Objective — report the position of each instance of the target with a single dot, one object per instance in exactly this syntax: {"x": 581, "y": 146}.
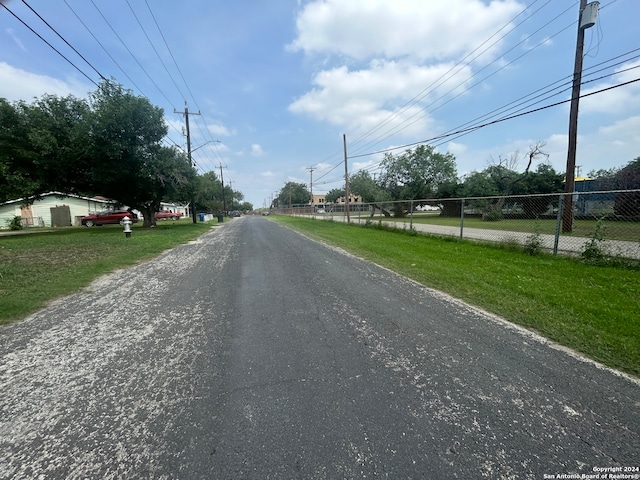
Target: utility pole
{"x": 586, "y": 19}
{"x": 224, "y": 202}
{"x": 346, "y": 178}
{"x": 186, "y": 118}
{"x": 311, "y": 169}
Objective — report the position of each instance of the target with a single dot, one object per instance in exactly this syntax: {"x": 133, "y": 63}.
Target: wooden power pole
{"x": 346, "y": 178}
{"x": 569, "y": 184}
{"x": 186, "y": 119}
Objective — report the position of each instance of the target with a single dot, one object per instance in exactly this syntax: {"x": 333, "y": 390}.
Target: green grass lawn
{"x": 592, "y": 309}
{"x": 38, "y": 267}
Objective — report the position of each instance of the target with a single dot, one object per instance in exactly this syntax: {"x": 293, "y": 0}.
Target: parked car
{"x": 234, "y": 213}
{"x": 108, "y": 217}
{"x": 164, "y": 215}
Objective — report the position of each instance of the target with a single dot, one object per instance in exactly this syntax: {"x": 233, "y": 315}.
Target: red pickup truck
{"x": 165, "y": 215}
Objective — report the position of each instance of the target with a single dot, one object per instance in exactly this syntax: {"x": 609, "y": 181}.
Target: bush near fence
{"x": 611, "y": 219}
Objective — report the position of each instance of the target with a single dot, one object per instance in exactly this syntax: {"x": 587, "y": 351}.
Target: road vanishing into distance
{"x": 257, "y": 353}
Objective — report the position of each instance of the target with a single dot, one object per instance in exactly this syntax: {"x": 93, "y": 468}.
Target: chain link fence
{"x": 582, "y": 223}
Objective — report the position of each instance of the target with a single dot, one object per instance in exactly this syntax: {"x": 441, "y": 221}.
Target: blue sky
{"x": 278, "y": 82}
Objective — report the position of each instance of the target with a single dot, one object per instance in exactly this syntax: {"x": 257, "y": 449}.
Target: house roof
{"x": 56, "y": 194}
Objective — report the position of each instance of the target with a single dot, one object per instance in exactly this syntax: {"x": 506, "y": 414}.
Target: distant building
{"x": 352, "y": 199}
{"x": 320, "y": 200}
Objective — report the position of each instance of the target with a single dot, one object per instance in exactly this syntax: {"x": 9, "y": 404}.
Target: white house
{"x": 52, "y": 209}
{"x": 175, "y": 208}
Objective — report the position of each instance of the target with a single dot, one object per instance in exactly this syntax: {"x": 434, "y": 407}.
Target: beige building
{"x": 320, "y": 201}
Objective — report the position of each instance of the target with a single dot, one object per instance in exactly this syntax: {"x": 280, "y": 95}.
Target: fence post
{"x": 461, "y": 216}
{"x": 556, "y": 240}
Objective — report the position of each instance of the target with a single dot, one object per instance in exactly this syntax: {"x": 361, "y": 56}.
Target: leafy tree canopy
{"x": 363, "y": 184}
{"x": 108, "y": 145}
{"x": 334, "y": 194}
{"x": 418, "y": 173}
{"x": 293, "y": 194}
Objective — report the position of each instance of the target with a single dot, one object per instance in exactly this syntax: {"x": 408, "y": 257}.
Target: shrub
{"x": 492, "y": 215}
{"x": 592, "y": 251}
{"x": 15, "y": 223}
{"x": 533, "y": 243}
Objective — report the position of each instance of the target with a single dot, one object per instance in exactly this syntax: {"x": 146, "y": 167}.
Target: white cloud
{"x": 364, "y": 29}
{"x": 395, "y": 40}
{"x": 456, "y": 148}
{"x": 256, "y": 150}
{"x": 362, "y": 99}
{"x": 617, "y": 100}
{"x": 16, "y": 39}
{"x": 220, "y": 130}
{"x": 17, "y": 84}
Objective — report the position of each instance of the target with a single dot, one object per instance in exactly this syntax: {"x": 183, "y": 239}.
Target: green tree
{"x": 418, "y": 173}
{"x": 123, "y": 156}
{"x": 17, "y": 169}
{"x": 363, "y": 184}
{"x": 293, "y": 194}
{"x": 57, "y": 135}
{"x": 421, "y": 173}
{"x": 40, "y": 144}
{"x": 246, "y": 207}
{"x": 545, "y": 180}
{"x": 334, "y": 194}
{"x": 479, "y": 184}
{"x": 628, "y": 178}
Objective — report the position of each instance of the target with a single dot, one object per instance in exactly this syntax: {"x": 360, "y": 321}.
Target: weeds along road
{"x": 257, "y": 353}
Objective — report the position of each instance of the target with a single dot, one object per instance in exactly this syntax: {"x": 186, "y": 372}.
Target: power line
{"x": 446, "y": 76}
{"x": 65, "y": 40}
{"x": 404, "y": 124}
{"x": 442, "y": 78}
{"x": 130, "y": 52}
{"x": 103, "y": 48}
{"x": 153, "y": 47}
{"x": 510, "y": 117}
{"x": 171, "y": 54}
{"x": 52, "y": 47}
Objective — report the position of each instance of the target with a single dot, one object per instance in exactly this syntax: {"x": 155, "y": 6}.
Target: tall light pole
{"x": 586, "y": 18}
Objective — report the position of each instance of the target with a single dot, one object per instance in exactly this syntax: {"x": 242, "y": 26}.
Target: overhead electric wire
{"x": 130, "y": 52}
{"x": 197, "y": 122}
{"x": 103, "y": 48}
{"x": 49, "y": 44}
{"x": 440, "y": 80}
{"x": 510, "y": 117}
{"x": 504, "y": 66}
{"x": 404, "y": 124}
{"x": 171, "y": 53}
{"x": 546, "y": 91}
{"x": 460, "y": 131}
{"x": 166, "y": 139}
{"x": 64, "y": 40}
{"x": 153, "y": 47}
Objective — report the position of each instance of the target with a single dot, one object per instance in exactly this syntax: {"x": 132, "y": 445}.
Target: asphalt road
{"x": 257, "y": 353}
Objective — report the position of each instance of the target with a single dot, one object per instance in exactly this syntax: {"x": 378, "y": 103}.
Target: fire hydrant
{"x": 126, "y": 223}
